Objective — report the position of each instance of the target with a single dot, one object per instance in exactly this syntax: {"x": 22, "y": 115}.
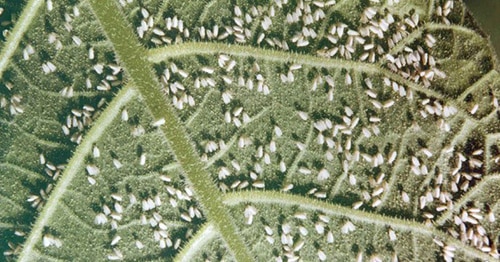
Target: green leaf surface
{"x": 268, "y": 130}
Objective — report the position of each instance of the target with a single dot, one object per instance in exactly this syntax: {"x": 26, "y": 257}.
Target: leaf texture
{"x": 248, "y": 131}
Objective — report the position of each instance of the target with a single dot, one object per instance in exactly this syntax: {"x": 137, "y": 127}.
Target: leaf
{"x": 250, "y": 131}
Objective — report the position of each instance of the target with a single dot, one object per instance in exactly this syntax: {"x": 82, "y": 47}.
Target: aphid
{"x": 100, "y": 219}
{"x": 392, "y": 235}
{"x": 116, "y": 197}
{"x": 320, "y": 194}
{"x": 270, "y": 240}
{"x": 77, "y": 40}
{"x": 388, "y": 104}
{"x": 115, "y": 240}
{"x": 49, "y": 240}
{"x": 250, "y": 211}
{"x": 376, "y": 104}
{"x": 359, "y": 257}
{"x": 268, "y": 230}
{"x": 50, "y": 5}
{"x": 377, "y": 202}
{"x": 282, "y": 166}
{"x": 323, "y": 175}
{"x": 272, "y": 146}
{"x": 375, "y": 258}
{"x": 300, "y": 146}
{"x": 226, "y": 97}
{"x": 491, "y": 217}
{"x": 378, "y": 191}
{"x": 366, "y": 132}
{"x": 117, "y": 163}
{"x": 148, "y": 204}
{"x": 91, "y": 180}
{"x": 352, "y": 180}
{"x": 48, "y": 67}
{"x": 42, "y": 159}
{"x": 159, "y": 122}
{"x": 235, "y": 184}
{"x": 259, "y": 184}
{"x": 474, "y": 109}
{"x": 320, "y": 228}
{"x": 92, "y": 170}
{"x": 304, "y": 171}
{"x": 116, "y": 255}
{"x": 301, "y": 215}
{"x": 321, "y": 255}
{"x": 348, "y": 227}
{"x": 405, "y": 197}
{"x": 142, "y": 159}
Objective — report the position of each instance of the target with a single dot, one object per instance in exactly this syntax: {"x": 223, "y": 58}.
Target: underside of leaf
{"x": 222, "y": 130}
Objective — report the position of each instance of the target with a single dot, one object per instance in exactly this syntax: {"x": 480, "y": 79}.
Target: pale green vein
{"x": 170, "y": 167}
{"x": 492, "y": 116}
{"x": 415, "y": 245}
{"x": 48, "y": 92}
{"x": 339, "y": 181}
{"x": 139, "y": 178}
{"x": 284, "y": 199}
{"x": 75, "y": 165}
{"x": 442, "y": 162}
{"x": 363, "y": 103}
{"x": 163, "y": 53}
{"x": 490, "y": 140}
{"x": 206, "y": 10}
{"x": 495, "y": 208}
{"x": 49, "y": 121}
{"x": 467, "y": 197}
{"x": 138, "y": 223}
{"x": 160, "y": 54}
{"x": 416, "y": 34}
{"x": 205, "y": 235}
{"x": 133, "y": 59}
{"x": 27, "y": 16}
{"x": 41, "y": 141}
{"x": 232, "y": 141}
{"x": 12, "y": 226}
{"x": 398, "y": 168}
{"x": 292, "y": 171}
{"x": 327, "y": 22}
{"x": 71, "y": 215}
{"x": 458, "y": 28}
{"x": 481, "y": 83}
{"x": 361, "y": 138}
{"x": 201, "y": 107}
{"x": 161, "y": 10}
{"x": 432, "y": 6}
{"x": 45, "y": 257}
{"x": 158, "y": 18}
{"x": 29, "y": 135}
{"x": 464, "y": 13}
{"x": 399, "y": 46}
{"x": 21, "y": 169}
{"x": 13, "y": 204}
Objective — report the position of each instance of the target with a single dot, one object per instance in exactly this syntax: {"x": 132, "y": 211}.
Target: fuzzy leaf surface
{"x": 247, "y": 131}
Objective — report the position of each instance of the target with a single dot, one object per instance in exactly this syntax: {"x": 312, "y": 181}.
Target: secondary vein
{"x": 27, "y": 16}
{"x": 133, "y": 58}
{"x": 284, "y": 199}
{"x": 75, "y": 165}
